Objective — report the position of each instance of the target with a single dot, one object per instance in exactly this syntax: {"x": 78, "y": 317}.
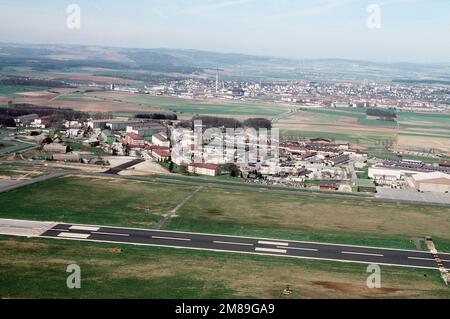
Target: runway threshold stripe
{"x": 273, "y": 243}
{"x": 74, "y": 235}
{"x": 231, "y": 243}
{"x": 362, "y": 254}
{"x": 84, "y": 228}
{"x": 298, "y": 248}
{"x": 271, "y": 250}
{"x": 171, "y": 238}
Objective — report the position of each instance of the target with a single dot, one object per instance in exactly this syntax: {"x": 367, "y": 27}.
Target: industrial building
{"x": 432, "y": 182}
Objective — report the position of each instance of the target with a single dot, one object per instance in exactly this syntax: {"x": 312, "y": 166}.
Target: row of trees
{"x": 53, "y": 115}
{"x": 212, "y": 121}
{"x": 386, "y": 113}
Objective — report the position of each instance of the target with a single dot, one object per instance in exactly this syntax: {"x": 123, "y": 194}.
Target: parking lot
{"x": 411, "y": 195}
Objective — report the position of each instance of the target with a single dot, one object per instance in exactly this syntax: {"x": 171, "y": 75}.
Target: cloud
{"x": 213, "y": 7}
{"x": 315, "y": 9}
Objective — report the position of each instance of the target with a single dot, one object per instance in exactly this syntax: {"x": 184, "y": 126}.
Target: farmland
{"x": 12, "y": 91}
{"x": 413, "y": 130}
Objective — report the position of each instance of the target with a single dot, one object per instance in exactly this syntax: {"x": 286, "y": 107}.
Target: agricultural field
{"x": 120, "y": 202}
{"x": 36, "y": 268}
{"x": 13, "y": 91}
{"x": 412, "y": 130}
{"x": 203, "y": 108}
{"x": 189, "y": 108}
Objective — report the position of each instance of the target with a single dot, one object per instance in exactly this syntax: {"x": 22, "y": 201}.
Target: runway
{"x": 247, "y": 245}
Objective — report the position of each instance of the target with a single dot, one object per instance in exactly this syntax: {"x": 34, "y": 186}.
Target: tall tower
{"x": 217, "y": 80}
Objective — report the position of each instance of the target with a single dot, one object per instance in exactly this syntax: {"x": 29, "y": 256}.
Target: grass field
{"x": 196, "y": 107}
{"x": 138, "y": 204}
{"x": 80, "y": 147}
{"x": 193, "y": 107}
{"x": 9, "y": 91}
{"x": 311, "y": 218}
{"x": 93, "y": 201}
{"x": 36, "y": 268}
{"x": 4, "y": 145}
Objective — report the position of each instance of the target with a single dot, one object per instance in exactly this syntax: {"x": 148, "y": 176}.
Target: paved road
{"x": 116, "y": 170}
{"x": 223, "y": 243}
{"x": 17, "y": 145}
{"x": 412, "y": 195}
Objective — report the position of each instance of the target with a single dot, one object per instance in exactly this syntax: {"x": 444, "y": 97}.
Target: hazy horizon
{"x": 411, "y": 31}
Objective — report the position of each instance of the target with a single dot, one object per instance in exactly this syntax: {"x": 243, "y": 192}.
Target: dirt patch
{"x": 353, "y": 289}
{"x": 424, "y": 142}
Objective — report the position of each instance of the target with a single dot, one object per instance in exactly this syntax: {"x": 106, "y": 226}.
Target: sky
{"x": 409, "y": 30}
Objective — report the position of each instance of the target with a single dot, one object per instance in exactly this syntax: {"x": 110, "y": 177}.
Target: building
{"x": 134, "y": 140}
{"x": 397, "y": 169}
{"x": 146, "y": 129}
{"x": 161, "y": 154}
{"x": 364, "y": 186}
{"x": 25, "y": 120}
{"x": 73, "y": 133}
{"x": 339, "y": 159}
{"x": 204, "y": 169}
{"x": 69, "y": 157}
{"x": 56, "y": 148}
{"x": 73, "y": 124}
{"x": 39, "y": 123}
{"x": 328, "y": 185}
{"x": 161, "y": 139}
{"x": 432, "y": 182}
{"x": 107, "y": 137}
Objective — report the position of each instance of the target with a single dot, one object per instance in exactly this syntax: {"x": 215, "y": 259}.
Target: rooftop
{"x": 205, "y": 165}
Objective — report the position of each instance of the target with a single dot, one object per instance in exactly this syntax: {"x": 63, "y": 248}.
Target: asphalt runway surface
{"x": 246, "y": 245}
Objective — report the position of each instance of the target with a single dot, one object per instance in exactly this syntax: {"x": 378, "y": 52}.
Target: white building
{"x": 204, "y": 169}
{"x": 432, "y": 182}
{"x": 160, "y": 139}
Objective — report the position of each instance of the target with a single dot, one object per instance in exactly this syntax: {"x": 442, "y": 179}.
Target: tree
{"x": 258, "y": 123}
{"x": 171, "y": 167}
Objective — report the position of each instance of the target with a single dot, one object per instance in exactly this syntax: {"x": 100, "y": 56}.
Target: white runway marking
{"x": 298, "y": 248}
{"x": 274, "y": 243}
{"x": 364, "y": 254}
{"x": 231, "y": 243}
{"x": 84, "y": 228}
{"x": 112, "y": 234}
{"x": 171, "y": 238}
{"x": 427, "y": 259}
{"x": 74, "y": 235}
{"x": 270, "y": 250}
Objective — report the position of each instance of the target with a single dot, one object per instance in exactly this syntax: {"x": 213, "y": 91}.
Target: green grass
{"x": 9, "y": 91}
{"x": 75, "y": 96}
{"x": 119, "y": 202}
{"x": 80, "y": 147}
{"x": 4, "y": 145}
{"x": 312, "y": 218}
{"x": 195, "y": 107}
{"x": 93, "y": 201}
{"x": 36, "y": 268}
